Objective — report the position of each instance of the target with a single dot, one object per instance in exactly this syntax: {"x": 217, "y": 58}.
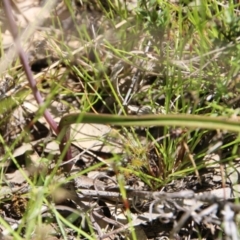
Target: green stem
{"x": 180, "y": 120}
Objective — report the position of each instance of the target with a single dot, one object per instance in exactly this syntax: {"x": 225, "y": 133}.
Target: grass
{"x": 192, "y": 89}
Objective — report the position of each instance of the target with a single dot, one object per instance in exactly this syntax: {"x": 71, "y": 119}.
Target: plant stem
{"x": 32, "y": 82}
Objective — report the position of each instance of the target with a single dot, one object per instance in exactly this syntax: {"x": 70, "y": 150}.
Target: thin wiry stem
{"x": 24, "y": 62}
{"x": 31, "y": 80}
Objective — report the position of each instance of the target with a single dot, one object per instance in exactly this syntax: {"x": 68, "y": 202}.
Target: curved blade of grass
{"x": 181, "y": 120}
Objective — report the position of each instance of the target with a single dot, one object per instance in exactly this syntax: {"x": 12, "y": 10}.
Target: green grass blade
{"x": 180, "y": 120}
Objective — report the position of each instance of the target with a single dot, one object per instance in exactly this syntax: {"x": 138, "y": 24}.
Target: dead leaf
{"x": 95, "y": 137}
{"x": 17, "y": 176}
